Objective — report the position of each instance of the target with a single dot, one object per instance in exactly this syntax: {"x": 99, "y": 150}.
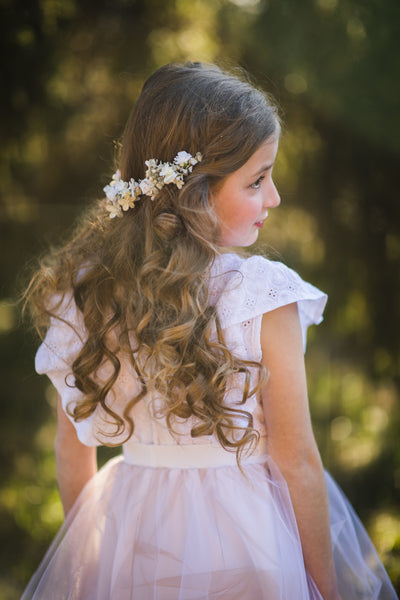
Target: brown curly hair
{"x": 146, "y": 275}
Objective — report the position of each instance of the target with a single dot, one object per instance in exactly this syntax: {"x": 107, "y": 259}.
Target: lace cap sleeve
{"x": 257, "y": 285}
{"x": 54, "y": 358}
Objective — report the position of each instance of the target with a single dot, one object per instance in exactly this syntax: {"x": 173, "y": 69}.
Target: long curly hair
{"x": 146, "y": 275}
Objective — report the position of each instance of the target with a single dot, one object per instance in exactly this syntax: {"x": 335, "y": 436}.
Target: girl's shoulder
{"x": 65, "y": 335}
{"x": 245, "y": 288}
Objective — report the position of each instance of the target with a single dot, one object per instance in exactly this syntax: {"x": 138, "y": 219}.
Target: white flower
{"x": 110, "y": 192}
{"x": 114, "y": 210}
{"x": 168, "y": 173}
{"x": 152, "y": 168}
{"x": 134, "y": 188}
{"x": 120, "y": 187}
{"x": 147, "y": 187}
{"x": 151, "y": 163}
{"x": 182, "y": 158}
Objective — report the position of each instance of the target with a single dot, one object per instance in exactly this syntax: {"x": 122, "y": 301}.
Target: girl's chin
{"x": 240, "y": 241}
{"x": 251, "y": 239}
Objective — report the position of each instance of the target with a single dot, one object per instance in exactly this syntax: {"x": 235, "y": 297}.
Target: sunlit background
{"x": 71, "y": 71}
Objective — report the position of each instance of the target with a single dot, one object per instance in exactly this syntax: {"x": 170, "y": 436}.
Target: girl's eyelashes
{"x": 257, "y": 183}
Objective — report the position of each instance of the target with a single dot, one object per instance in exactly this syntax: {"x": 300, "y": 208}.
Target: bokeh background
{"x": 70, "y": 72}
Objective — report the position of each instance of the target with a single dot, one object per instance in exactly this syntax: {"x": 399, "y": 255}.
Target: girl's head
{"x": 196, "y": 108}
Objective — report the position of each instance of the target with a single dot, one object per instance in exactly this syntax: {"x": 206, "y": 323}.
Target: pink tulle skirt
{"x": 152, "y": 533}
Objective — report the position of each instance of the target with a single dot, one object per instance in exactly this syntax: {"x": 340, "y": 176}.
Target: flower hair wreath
{"x": 122, "y": 195}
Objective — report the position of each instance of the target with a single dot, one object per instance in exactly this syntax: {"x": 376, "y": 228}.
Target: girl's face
{"x": 242, "y": 201}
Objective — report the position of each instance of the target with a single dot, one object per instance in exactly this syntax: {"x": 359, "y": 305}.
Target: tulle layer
{"x": 142, "y": 533}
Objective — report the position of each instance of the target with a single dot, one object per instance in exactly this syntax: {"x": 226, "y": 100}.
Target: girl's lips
{"x": 261, "y": 223}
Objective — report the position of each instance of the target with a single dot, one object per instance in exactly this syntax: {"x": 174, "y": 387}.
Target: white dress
{"x": 174, "y": 518}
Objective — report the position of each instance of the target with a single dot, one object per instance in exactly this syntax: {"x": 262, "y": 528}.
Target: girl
{"x": 192, "y": 359}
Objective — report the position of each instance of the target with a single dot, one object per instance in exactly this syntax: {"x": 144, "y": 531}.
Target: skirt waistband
{"x": 187, "y": 456}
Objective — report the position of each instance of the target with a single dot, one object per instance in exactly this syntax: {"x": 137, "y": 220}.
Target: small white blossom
{"x": 110, "y": 192}
{"x": 168, "y": 173}
{"x": 114, "y": 210}
{"x": 182, "y": 158}
{"x": 151, "y": 163}
{"x": 120, "y": 187}
{"x": 147, "y": 187}
{"x": 134, "y": 188}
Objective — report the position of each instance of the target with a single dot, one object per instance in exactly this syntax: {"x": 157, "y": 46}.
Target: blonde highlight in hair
{"x": 142, "y": 282}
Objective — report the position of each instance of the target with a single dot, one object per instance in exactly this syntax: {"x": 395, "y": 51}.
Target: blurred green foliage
{"x": 70, "y": 74}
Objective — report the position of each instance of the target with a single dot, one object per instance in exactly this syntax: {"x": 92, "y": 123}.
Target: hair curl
{"x": 146, "y": 275}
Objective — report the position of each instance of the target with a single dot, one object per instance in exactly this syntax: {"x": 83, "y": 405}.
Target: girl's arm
{"x": 291, "y": 442}
{"x": 75, "y": 462}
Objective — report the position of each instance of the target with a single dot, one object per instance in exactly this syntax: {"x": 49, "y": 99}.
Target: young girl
{"x": 192, "y": 359}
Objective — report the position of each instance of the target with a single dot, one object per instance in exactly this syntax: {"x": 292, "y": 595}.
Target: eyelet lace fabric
{"x": 242, "y": 290}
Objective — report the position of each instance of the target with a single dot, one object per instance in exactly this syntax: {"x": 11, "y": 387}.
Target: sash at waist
{"x": 188, "y": 456}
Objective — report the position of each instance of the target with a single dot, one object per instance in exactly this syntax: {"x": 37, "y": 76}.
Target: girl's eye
{"x": 257, "y": 183}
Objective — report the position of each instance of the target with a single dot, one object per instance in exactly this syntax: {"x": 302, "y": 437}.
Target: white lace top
{"x": 242, "y": 290}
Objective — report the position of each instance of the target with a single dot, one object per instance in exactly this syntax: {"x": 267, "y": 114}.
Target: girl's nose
{"x": 272, "y": 198}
